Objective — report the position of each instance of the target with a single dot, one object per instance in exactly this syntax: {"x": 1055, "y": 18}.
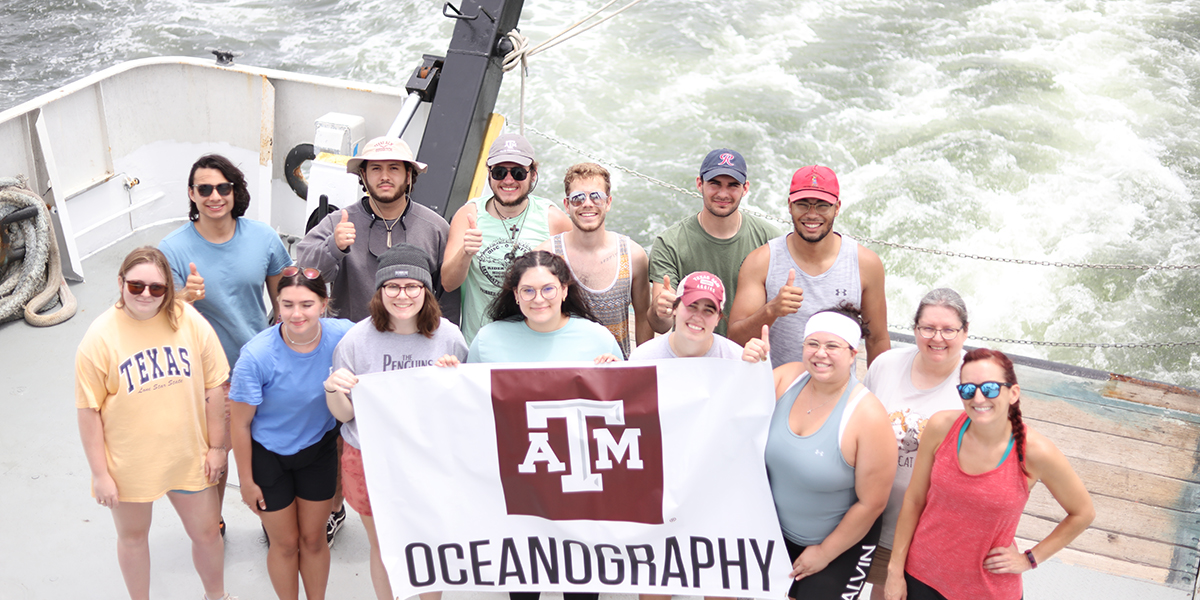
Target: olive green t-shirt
{"x": 685, "y": 248}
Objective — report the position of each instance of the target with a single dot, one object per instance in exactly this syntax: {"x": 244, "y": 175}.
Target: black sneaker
{"x": 334, "y": 524}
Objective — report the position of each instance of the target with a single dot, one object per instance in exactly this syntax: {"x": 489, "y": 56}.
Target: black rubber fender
{"x": 291, "y": 168}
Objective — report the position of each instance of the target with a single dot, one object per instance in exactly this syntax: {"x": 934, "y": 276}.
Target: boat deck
{"x": 1135, "y": 445}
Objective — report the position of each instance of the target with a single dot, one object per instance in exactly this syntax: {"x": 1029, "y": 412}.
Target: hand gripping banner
{"x": 624, "y": 478}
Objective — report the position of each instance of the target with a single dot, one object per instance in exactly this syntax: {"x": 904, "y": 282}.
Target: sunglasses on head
{"x": 518, "y": 173}
{"x": 137, "y": 287}
{"x": 990, "y": 389}
{"x": 578, "y": 198}
{"x": 309, "y": 272}
{"x": 206, "y": 189}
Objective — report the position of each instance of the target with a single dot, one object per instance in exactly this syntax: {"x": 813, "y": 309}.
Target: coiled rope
{"x": 521, "y": 52}
{"x": 869, "y": 241}
{"x": 30, "y": 284}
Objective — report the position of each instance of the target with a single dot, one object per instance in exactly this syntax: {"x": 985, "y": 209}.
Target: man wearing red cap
{"x": 807, "y": 270}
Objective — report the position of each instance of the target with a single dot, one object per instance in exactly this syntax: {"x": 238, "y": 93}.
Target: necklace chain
{"x": 829, "y": 400}
{"x": 387, "y": 227}
{"x": 293, "y": 342}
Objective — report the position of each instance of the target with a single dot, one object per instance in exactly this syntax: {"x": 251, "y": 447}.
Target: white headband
{"x": 835, "y": 323}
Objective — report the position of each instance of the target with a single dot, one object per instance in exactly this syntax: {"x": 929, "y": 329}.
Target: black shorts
{"x": 310, "y": 474}
{"x": 918, "y": 590}
{"x": 844, "y": 577}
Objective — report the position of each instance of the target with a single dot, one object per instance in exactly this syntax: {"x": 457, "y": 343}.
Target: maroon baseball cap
{"x": 815, "y": 182}
{"x": 699, "y": 285}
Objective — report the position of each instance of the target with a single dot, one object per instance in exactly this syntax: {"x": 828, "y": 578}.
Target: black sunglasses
{"x": 137, "y": 287}
{"x": 990, "y": 389}
{"x": 206, "y": 189}
{"x": 518, "y": 173}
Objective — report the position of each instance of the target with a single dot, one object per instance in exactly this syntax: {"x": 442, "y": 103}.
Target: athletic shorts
{"x": 354, "y": 482}
{"x": 917, "y": 590}
{"x": 310, "y": 474}
{"x": 879, "y": 566}
{"x": 844, "y": 577}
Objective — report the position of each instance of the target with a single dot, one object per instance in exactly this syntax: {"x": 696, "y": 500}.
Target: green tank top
{"x": 503, "y": 241}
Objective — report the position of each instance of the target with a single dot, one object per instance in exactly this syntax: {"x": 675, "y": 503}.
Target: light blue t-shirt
{"x": 234, "y": 273}
{"x": 514, "y": 341}
{"x": 287, "y": 387}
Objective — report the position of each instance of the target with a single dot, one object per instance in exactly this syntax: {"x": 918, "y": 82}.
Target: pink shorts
{"x": 354, "y": 482}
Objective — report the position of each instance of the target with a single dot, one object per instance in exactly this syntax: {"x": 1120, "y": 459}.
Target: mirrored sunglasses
{"x": 990, "y": 389}
{"x": 578, "y": 198}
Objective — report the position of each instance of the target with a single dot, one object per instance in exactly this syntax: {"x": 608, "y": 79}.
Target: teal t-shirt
{"x": 503, "y": 241}
{"x": 686, "y": 247}
{"x": 514, "y": 341}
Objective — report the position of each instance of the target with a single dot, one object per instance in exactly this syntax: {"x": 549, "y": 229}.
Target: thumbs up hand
{"x": 472, "y": 237}
{"x": 664, "y": 303}
{"x": 343, "y": 232}
{"x": 789, "y": 298}
{"x": 756, "y": 349}
{"x": 193, "y": 289}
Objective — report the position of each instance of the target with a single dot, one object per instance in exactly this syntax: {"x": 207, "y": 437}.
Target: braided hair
{"x": 1014, "y": 409}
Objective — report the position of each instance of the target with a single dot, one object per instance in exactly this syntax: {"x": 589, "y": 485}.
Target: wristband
{"x": 1032, "y": 560}
{"x": 329, "y": 391}
{"x": 221, "y": 448}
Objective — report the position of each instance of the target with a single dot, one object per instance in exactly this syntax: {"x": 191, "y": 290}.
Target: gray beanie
{"x": 405, "y": 261}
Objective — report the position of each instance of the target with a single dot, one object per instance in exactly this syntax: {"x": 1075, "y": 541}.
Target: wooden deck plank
{"x": 1125, "y": 394}
{"x": 1169, "y": 433}
{"x": 1116, "y": 566}
{"x": 1132, "y": 454}
{"x": 1119, "y": 546}
{"x": 1118, "y": 515}
{"x": 1147, "y": 488}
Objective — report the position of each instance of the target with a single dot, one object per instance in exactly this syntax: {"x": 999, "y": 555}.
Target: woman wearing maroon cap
{"x": 696, "y": 313}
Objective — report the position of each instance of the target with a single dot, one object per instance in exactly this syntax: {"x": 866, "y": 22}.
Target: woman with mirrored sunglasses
{"x": 405, "y": 329}
{"x": 972, "y": 478}
{"x": 913, "y": 383}
{"x": 150, "y": 400}
{"x": 284, "y": 437}
{"x": 830, "y": 458}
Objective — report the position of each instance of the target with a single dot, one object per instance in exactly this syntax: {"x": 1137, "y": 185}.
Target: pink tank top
{"x": 965, "y": 517}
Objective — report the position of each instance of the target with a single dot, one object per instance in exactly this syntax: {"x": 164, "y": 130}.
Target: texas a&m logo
{"x": 580, "y": 443}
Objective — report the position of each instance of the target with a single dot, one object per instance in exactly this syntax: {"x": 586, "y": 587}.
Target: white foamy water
{"x": 1060, "y": 131}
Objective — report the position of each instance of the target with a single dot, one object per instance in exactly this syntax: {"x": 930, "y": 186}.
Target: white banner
{"x": 626, "y": 478}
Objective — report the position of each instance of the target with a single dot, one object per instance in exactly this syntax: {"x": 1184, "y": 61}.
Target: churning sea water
{"x": 1056, "y": 131}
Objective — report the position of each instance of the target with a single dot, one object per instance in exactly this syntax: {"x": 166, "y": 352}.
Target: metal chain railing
{"x": 867, "y": 240}
{"x": 909, "y": 330}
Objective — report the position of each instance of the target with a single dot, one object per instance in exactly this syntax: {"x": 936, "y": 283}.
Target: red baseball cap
{"x": 815, "y": 182}
{"x": 699, "y": 285}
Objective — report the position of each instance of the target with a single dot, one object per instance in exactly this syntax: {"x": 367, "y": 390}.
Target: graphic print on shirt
{"x": 908, "y": 427}
{"x": 495, "y": 258}
{"x": 155, "y": 363}
{"x": 580, "y": 443}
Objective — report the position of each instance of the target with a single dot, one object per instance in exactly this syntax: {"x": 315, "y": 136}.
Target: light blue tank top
{"x": 811, "y": 482}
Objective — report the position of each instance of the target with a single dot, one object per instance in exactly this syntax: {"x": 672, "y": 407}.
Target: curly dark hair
{"x": 852, "y": 312}
{"x": 241, "y": 193}
{"x": 574, "y": 304}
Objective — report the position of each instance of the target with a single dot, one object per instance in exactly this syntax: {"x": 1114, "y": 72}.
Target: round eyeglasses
{"x": 527, "y": 293}
{"x": 411, "y": 290}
